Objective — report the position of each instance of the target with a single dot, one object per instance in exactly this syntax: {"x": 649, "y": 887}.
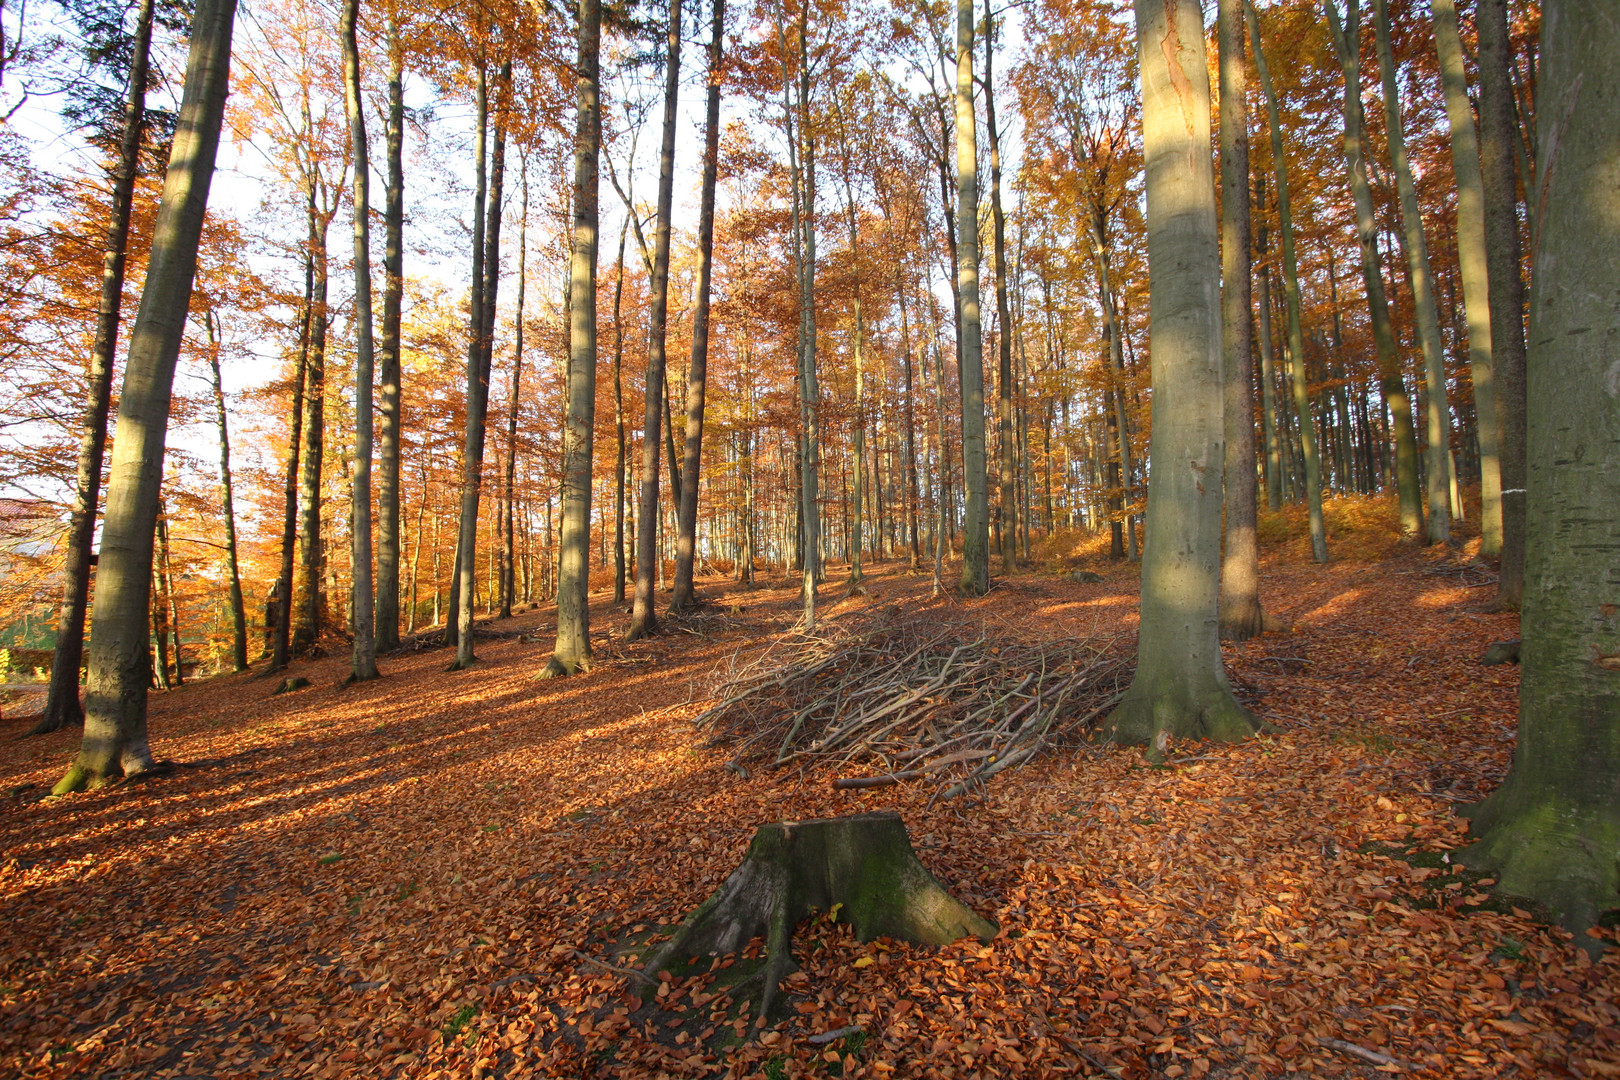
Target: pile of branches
{"x": 950, "y": 703}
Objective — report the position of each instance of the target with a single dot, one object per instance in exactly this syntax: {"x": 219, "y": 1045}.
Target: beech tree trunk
{"x": 572, "y": 651}
{"x": 862, "y": 865}
{"x": 970, "y": 346}
{"x": 239, "y": 656}
{"x": 1550, "y": 832}
{"x": 308, "y": 594}
{"x": 508, "y": 569}
{"x": 1180, "y": 688}
{"x": 1240, "y": 614}
{"x": 1006, "y": 438}
{"x": 475, "y": 335}
{"x": 115, "y": 741}
{"x": 388, "y": 366}
{"x": 62, "y": 706}
{"x": 696, "y": 382}
{"x": 363, "y": 663}
{"x": 621, "y": 463}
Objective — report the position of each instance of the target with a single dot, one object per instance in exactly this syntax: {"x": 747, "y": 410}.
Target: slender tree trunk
{"x": 239, "y": 657}
{"x": 970, "y": 346}
{"x": 364, "y": 660}
{"x": 1427, "y": 313}
{"x": 1498, "y": 134}
{"x": 643, "y": 619}
{"x": 1551, "y": 830}
{"x": 280, "y": 603}
{"x": 621, "y": 462}
{"x": 1180, "y": 689}
{"x": 909, "y": 435}
{"x": 388, "y": 365}
{"x": 1296, "y": 334}
{"x": 1005, "y": 437}
{"x": 62, "y": 705}
{"x": 1268, "y": 371}
{"x": 1240, "y": 614}
{"x": 572, "y": 652}
{"x": 475, "y": 336}
{"x": 686, "y": 529}
{"x": 508, "y": 572}
{"x": 308, "y": 594}
{"x": 115, "y": 741}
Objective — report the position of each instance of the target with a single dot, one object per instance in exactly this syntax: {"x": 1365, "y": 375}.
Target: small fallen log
{"x": 862, "y": 865}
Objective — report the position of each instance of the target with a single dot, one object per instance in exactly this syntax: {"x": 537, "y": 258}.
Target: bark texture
{"x": 970, "y": 345}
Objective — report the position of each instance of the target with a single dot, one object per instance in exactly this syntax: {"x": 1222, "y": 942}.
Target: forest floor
{"x": 424, "y": 876}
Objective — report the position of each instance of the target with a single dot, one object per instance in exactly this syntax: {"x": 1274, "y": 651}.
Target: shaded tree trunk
{"x": 508, "y": 570}
{"x": 308, "y": 595}
{"x": 388, "y": 365}
{"x": 1005, "y": 436}
{"x": 239, "y": 657}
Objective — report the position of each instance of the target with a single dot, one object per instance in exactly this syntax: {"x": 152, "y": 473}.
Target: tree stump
{"x": 863, "y": 863}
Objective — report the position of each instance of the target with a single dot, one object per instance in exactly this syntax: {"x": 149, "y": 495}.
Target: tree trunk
{"x": 572, "y": 651}
{"x": 115, "y": 742}
{"x": 475, "y": 335}
{"x": 239, "y": 657}
{"x": 363, "y": 665}
{"x": 1005, "y": 436}
{"x": 388, "y": 365}
{"x": 620, "y": 462}
{"x": 1296, "y": 335}
{"x": 1268, "y": 371}
{"x": 862, "y": 865}
{"x": 62, "y": 705}
{"x": 970, "y": 345}
{"x": 686, "y": 528}
{"x": 1240, "y": 614}
{"x": 1551, "y": 830}
{"x": 508, "y": 571}
{"x": 1180, "y": 689}
{"x": 308, "y": 595}
{"x": 1417, "y": 262}
{"x": 1498, "y": 132}
{"x": 643, "y": 619}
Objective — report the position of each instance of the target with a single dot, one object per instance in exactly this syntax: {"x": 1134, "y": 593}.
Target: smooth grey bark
{"x": 475, "y": 337}
{"x": 1427, "y": 312}
{"x": 1550, "y": 832}
{"x": 1392, "y": 381}
{"x": 572, "y": 651}
{"x": 115, "y": 739}
{"x": 858, "y": 465}
{"x": 620, "y": 434}
{"x": 239, "y": 656}
{"x": 1240, "y": 615}
{"x": 1296, "y": 335}
{"x": 970, "y": 345}
{"x": 388, "y": 361}
{"x": 308, "y": 594}
{"x": 1474, "y": 265}
{"x": 697, "y": 375}
{"x": 643, "y": 619}
{"x": 1005, "y": 437}
{"x": 1268, "y": 371}
{"x": 62, "y": 706}
{"x": 1498, "y": 135}
{"x": 508, "y": 569}
{"x": 1180, "y": 688}
{"x": 363, "y": 661}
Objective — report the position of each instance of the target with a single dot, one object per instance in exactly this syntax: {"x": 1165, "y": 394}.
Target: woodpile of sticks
{"x": 953, "y": 704}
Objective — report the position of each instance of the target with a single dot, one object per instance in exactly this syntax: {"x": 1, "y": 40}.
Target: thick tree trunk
{"x": 1498, "y": 134}
{"x": 1392, "y": 383}
{"x": 862, "y": 866}
{"x": 1427, "y": 312}
{"x": 115, "y": 741}
{"x": 643, "y": 619}
{"x": 1180, "y": 689}
{"x": 1551, "y": 831}
{"x": 363, "y": 664}
{"x": 572, "y": 652}
{"x": 239, "y": 656}
{"x": 1240, "y": 614}
{"x": 308, "y": 595}
{"x": 475, "y": 334}
{"x": 696, "y": 383}
{"x": 388, "y": 366}
{"x": 1296, "y": 334}
{"x": 970, "y": 346}
{"x": 62, "y": 705}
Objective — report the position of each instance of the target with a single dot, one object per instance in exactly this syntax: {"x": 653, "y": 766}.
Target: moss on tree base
{"x": 862, "y": 863}
{"x": 1150, "y": 716}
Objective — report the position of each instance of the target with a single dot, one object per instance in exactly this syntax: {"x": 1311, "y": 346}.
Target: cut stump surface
{"x": 863, "y": 863}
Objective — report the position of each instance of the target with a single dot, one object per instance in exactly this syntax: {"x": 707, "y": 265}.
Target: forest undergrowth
{"x": 432, "y": 875}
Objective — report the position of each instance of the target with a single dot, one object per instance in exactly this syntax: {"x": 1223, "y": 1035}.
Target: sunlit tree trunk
{"x": 970, "y": 345}
{"x": 1498, "y": 133}
{"x": 696, "y": 382}
{"x": 1296, "y": 334}
{"x": 363, "y": 664}
{"x": 115, "y": 741}
{"x": 1427, "y": 312}
{"x": 1550, "y": 832}
{"x": 1240, "y": 614}
{"x": 643, "y": 618}
{"x": 572, "y": 652}
{"x": 62, "y": 705}
{"x": 1180, "y": 688}
{"x": 388, "y": 366}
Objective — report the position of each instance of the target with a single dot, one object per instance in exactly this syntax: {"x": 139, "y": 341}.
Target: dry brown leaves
{"x": 400, "y": 879}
